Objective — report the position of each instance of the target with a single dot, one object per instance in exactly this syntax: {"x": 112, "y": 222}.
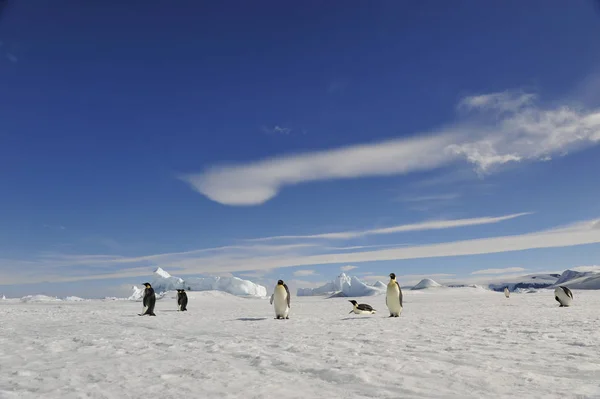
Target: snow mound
{"x": 164, "y": 282}
{"x": 379, "y": 284}
{"x": 344, "y": 285}
{"x": 74, "y": 299}
{"x": 426, "y": 283}
{"x": 39, "y": 298}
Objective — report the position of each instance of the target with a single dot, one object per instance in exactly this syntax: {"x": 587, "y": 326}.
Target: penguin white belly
{"x": 506, "y": 292}
{"x": 358, "y": 311}
{"x": 563, "y": 298}
{"x": 280, "y": 302}
{"x": 393, "y": 299}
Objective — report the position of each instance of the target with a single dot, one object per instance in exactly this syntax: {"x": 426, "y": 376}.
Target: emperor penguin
{"x": 361, "y": 308}
{"x": 149, "y": 300}
{"x": 506, "y": 292}
{"x": 393, "y": 297}
{"x": 182, "y": 300}
{"x": 281, "y": 298}
{"x": 563, "y": 295}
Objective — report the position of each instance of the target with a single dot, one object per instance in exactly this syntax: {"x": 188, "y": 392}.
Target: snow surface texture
{"x": 426, "y": 283}
{"x": 346, "y": 285}
{"x": 450, "y": 343}
{"x": 163, "y": 281}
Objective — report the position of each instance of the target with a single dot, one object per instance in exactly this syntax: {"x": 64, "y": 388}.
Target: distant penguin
{"x": 506, "y": 292}
{"x": 281, "y": 298}
{"x": 393, "y": 297}
{"x": 563, "y": 295}
{"x": 361, "y": 308}
{"x": 182, "y": 300}
{"x": 149, "y": 301}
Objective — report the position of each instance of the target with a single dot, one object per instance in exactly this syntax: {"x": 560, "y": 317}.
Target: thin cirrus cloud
{"x": 194, "y": 262}
{"x": 304, "y": 273}
{"x": 499, "y": 271}
{"x": 429, "y": 225}
{"x": 496, "y": 129}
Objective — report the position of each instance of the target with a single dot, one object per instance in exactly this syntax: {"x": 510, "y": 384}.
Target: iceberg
{"x": 164, "y": 282}
{"x": 344, "y": 285}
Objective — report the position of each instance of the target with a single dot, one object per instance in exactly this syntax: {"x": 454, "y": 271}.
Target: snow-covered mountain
{"x": 163, "y": 282}
{"x": 579, "y": 280}
{"x": 344, "y": 285}
{"x": 426, "y": 283}
{"x": 528, "y": 281}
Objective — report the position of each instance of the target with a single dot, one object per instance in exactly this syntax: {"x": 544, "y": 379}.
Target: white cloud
{"x": 52, "y": 268}
{"x": 304, "y": 273}
{"x": 499, "y": 271}
{"x": 429, "y": 225}
{"x": 348, "y": 268}
{"x": 277, "y": 130}
{"x": 434, "y": 197}
{"x": 518, "y": 131}
{"x": 507, "y": 101}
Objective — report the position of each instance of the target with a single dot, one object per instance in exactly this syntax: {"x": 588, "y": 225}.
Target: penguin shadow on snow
{"x": 252, "y": 318}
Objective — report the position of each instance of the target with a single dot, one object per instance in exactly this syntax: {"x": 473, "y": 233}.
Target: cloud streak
{"x": 496, "y": 129}
{"x": 196, "y": 262}
{"x": 499, "y": 271}
{"x": 429, "y": 225}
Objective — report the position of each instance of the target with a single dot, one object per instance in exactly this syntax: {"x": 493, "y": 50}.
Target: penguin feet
{"x": 286, "y": 317}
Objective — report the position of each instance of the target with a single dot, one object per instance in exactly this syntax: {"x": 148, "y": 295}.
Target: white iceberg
{"x": 344, "y": 285}
{"x": 164, "y": 282}
{"x": 39, "y": 298}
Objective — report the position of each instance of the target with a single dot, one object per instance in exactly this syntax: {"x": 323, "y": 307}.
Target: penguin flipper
{"x": 271, "y": 301}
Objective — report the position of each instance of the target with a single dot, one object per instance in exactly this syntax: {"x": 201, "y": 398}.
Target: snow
{"x": 344, "y": 285}
{"x": 163, "y": 281}
{"x": 455, "y": 342}
{"x": 426, "y": 283}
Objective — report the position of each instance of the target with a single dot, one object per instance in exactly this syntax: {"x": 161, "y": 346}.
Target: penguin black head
{"x": 353, "y": 302}
{"x": 392, "y": 276}
{"x": 280, "y": 282}
{"x": 147, "y": 285}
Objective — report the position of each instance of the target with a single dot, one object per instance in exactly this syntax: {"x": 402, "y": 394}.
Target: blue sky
{"x": 142, "y": 135}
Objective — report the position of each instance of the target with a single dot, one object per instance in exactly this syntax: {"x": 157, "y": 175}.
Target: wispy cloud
{"x": 277, "y": 130}
{"x": 54, "y": 227}
{"x": 517, "y": 130}
{"x": 304, "y": 273}
{"x": 499, "y": 271}
{"x": 348, "y": 268}
{"x": 49, "y": 268}
{"x": 427, "y": 198}
{"x": 429, "y": 225}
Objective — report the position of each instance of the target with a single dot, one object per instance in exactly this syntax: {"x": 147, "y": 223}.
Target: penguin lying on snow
{"x": 281, "y": 297}
{"x": 149, "y": 300}
{"x": 563, "y": 295}
{"x": 182, "y": 300}
{"x": 361, "y": 308}
{"x": 393, "y": 297}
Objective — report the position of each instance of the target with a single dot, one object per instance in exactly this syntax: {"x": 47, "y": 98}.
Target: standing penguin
{"x": 281, "y": 297}
{"x": 149, "y": 300}
{"x": 506, "y": 292}
{"x": 393, "y": 297}
{"x": 563, "y": 295}
{"x": 182, "y": 300}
